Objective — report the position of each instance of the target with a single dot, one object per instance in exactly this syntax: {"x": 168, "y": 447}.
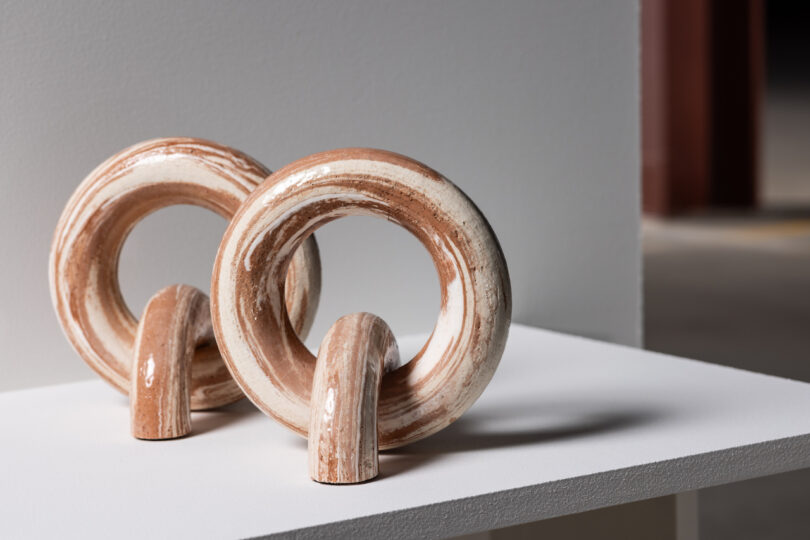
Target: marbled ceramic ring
{"x": 252, "y": 324}
{"x": 92, "y": 230}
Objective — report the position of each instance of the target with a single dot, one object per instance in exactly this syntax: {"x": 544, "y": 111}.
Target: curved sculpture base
{"x": 175, "y": 322}
{"x": 343, "y": 436}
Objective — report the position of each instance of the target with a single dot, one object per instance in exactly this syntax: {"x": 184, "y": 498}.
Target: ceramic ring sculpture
{"x": 168, "y": 362}
{"x": 277, "y": 372}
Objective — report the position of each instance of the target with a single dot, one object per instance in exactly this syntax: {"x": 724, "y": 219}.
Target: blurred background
{"x": 726, "y": 232}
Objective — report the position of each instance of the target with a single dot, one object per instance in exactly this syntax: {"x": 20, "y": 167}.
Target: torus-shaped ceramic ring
{"x": 252, "y": 325}
{"x": 95, "y": 223}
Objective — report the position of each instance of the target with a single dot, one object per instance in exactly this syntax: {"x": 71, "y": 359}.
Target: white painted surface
{"x": 531, "y": 108}
{"x": 567, "y": 425}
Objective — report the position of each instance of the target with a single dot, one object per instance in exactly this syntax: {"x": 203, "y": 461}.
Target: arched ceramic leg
{"x": 175, "y": 322}
{"x": 343, "y": 438}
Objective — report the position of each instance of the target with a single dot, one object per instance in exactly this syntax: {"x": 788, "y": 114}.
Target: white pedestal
{"x": 567, "y": 425}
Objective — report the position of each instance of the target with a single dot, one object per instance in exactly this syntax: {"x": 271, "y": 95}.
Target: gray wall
{"x": 530, "y": 107}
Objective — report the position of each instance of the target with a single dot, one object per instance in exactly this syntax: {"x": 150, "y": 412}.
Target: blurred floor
{"x": 735, "y": 290}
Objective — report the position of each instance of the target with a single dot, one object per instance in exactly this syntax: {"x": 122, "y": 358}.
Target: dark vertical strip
{"x": 675, "y": 105}
{"x": 654, "y": 111}
{"x": 702, "y": 74}
{"x": 737, "y": 68}
{"x": 688, "y": 51}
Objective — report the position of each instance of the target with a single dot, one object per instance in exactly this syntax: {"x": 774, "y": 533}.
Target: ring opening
{"x": 176, "y": 244}
{"x": 372, "y": 265}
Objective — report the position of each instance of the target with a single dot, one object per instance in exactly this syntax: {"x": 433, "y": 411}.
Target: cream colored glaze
{"x": 343, "y": 409}
{"x": 174, "y": 323}
{"x": 95, "y": 223}
{"x": 256, "y": 336}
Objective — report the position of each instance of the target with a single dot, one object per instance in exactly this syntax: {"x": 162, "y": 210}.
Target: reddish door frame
{"x": 701, "y": 87}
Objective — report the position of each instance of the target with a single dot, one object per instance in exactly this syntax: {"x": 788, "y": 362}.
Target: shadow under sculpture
{"x": 168, "y": 362}
{"x": 354, "y": 398}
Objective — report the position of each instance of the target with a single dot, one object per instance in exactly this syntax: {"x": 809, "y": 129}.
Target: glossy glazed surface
{"x": 176, "y": 320}
{"x": 255, "y": 332}
{"x": 343, "y": 437}
{"x": 95, "y": 223}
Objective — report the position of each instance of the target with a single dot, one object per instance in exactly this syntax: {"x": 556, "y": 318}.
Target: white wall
{"x": 530, "y": 107}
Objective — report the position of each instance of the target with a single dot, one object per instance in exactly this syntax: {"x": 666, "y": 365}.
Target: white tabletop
{"x": 567, "y": 425}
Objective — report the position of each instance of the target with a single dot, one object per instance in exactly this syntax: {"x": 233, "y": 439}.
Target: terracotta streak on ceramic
{"x": 257, "y": 339}
{"x": 174, "y": 323}
{"x": 95, "y": 223}
{"x": 343, "y": 409}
